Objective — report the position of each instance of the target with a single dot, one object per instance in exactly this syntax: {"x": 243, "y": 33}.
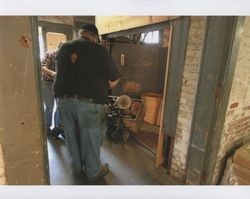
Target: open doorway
{"x": 152, "y": 43}
{"x": 141, "y": 55}
{"x": 50, "y": 36}
{"x": 49, "y": 41}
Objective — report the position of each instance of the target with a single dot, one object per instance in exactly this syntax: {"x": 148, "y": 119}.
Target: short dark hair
{"x": 90, "y": 27}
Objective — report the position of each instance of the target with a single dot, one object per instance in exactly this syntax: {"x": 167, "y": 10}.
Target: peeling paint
{"x": 25, "y": 41}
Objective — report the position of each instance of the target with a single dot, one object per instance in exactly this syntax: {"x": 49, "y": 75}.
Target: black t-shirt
{"x": 88, "y": 76}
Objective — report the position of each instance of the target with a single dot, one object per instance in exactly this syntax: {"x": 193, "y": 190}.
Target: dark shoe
{"x": 79, "y": 177}
{"x": 104, "y": 171}
{"x": 62, "y": 134}
{"x": 59, "y": 131}
{"x": 54, "y": 133}
{"x": 77, "y": 174}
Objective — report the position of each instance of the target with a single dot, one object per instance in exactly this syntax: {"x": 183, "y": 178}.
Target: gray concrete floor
{"x": 129, "y": 163}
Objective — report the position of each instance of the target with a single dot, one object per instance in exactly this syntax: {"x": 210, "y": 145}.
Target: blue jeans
{"x": 50, "y": 104}
{"x": 84, "y": 125}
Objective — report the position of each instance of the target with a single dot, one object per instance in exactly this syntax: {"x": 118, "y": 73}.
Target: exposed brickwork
{"x": 2, "y": 168}
{"x": 234, "y": 105}
{"x": 237, "y": 121}
{"x": 187, "y": 97}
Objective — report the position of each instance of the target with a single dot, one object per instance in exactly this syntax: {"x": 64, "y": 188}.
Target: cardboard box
{"x": 152, "y": 103}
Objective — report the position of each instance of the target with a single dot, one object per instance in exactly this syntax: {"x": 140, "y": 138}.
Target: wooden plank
{"x": 110, "y": 24}
{"x": 159, "y": 155}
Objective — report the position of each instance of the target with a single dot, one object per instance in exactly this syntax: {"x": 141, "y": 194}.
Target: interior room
{"x": 179, "y": 116}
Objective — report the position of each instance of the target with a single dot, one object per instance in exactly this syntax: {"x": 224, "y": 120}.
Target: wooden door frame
{"x": 55, "y": 27}
{"x": 36, "y": 54}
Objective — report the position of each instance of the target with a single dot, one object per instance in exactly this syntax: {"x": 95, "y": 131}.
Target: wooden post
{"x": 159, "y": 155}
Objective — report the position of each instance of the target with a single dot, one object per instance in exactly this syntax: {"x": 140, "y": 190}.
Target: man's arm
{"x": 114, "y": 75}
{"x": 49, "y": 72}
{"x": 45, "y": 62}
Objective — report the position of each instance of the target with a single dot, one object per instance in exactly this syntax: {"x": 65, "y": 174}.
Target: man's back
{"x": 85, "y": 71}
{"x": 88, "y": 68}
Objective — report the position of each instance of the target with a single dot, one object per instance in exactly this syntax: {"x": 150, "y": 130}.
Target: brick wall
{"x": 187, "y": 98}
{"x": 237, "y": 121}
{"x": 2, "y": 168}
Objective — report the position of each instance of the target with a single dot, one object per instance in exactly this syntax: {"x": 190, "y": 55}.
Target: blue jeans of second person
{"x": 84, "y": 125}
{"x": 50, "y": 104}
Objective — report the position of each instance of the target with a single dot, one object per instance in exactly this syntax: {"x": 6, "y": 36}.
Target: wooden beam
{"x": 110, "y": 24}
{"x": 159, "y": 155}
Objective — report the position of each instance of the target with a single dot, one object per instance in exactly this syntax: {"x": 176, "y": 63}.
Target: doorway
{"x": 141, "y": 55}
{"x": 152, "y": 43}
{"x": 50, "y": 36}
{"x": 144, "y": 76}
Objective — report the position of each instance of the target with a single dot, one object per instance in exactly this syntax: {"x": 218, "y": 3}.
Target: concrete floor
{"x": 129, "y": 163}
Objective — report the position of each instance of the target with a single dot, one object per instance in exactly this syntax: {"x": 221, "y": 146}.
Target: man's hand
{"x": 113, "y": 84}
{"x": 48, "y": 72}
{"x": 53, "y": 74}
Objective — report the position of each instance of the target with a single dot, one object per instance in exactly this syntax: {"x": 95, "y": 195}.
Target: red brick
{"x": 234, "y": 105}
{"x": 240, "y": 120}
{"x": 246, "y": 108}
{"x": 178, "y": 136}
{"x": 240, "y": 125}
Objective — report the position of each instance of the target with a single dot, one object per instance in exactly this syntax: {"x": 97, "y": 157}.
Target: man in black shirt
{"x": 85, "y": 73}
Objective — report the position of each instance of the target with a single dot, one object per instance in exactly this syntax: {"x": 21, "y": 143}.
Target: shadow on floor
{"x": 129, "y": 163}
{"x": 149, "y": 140}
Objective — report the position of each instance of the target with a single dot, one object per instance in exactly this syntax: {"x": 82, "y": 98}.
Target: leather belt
{"x": 85, "y": 99}
{"x": 48, "y": 80}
